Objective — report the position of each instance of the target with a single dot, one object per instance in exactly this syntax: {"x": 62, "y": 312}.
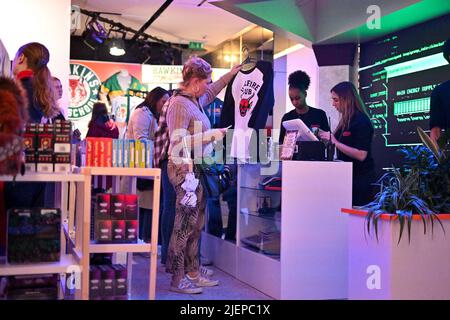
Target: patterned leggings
{"x": 183, "y": 256}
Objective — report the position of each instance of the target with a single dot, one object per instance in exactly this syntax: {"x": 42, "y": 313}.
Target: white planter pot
{"x": 385, "y": 270}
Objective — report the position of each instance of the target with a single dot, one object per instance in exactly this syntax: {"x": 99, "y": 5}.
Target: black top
{"x": 359, "y": 135}
{"x": 313, "y": 118}
{"x": 440, "y": 106}
{"x": 34, "y": 108}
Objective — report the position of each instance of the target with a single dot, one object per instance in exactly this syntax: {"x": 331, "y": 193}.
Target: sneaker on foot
{"x": 186, "y": 286}
{"x": 206, "y": 271}
{"x": 205, "y": 261}
{"x": 202, "y": 281}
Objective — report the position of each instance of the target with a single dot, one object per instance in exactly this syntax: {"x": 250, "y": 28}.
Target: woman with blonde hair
{"x": 188, "y": 125}
{"x": 353, "y": 140}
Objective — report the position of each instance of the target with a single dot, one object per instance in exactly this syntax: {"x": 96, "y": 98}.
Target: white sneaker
{"x": 206, "y": 271}
{"x": 202, "y": 281}
{"x": 186, "y": 286}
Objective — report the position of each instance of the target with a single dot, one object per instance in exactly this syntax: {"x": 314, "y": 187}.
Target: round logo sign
{"x": 83, "y": 91}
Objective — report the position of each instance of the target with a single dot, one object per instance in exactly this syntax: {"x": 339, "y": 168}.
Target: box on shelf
{"x": 116, "y": 218}
{"x": 117, "y": 206}
{"x": 33, "y": 235}
{"x": 44, "y": 144}
{"x": 33, "y": 287}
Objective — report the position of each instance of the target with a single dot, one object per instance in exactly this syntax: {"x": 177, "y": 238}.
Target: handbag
{"x": 215, "y": 178}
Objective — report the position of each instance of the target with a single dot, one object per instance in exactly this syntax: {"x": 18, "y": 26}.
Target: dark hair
{"x": 13, "y": 105}
{"x": 446, "y": 50}
{"x": 152, "y": 99}
{"x": 350, "y": 103}
{"x": 299, "y": 80}
{"x": 44, "y": 93}
{"x": 99, "y": 109}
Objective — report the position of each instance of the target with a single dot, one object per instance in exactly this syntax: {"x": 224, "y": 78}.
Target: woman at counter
{"x": 299, "y": 82}
{"x": 353, "y": 140}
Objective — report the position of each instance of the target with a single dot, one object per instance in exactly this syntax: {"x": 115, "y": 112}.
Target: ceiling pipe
{"x": 151, "y": 20}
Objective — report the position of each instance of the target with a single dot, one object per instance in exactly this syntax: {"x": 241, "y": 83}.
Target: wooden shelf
{"x": 45, "y": 177}
{"x": 133, "y": 172}
{"x": 37, "y": 268}
{"x": 119, "y": 247}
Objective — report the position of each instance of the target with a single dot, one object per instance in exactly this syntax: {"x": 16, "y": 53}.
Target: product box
{"x": 121, "y": 275}
{"x": 45, "y": 162}
{"x": 30, "y": 162}
{"x": 132, "y": 153}
{"x": 62, "y": 162}
{"x": 104, "y": 152}
{"x": 115, "y": 158}
{"x": 103, "y": 231}
{"x": 107, "y": 281}
{"x": 118, "y": 230}
{"x": 103, "y": 207}
{"x": 118, "y": 205}
{"x": 45, "y": 142}
{"x": 131, "y": 233}
{"x": 89, "y": 152}
{"x": 149, "y": 154}
{"x": 126, "y": 153}
{"x": 95, "y": 278}
{"x": 30, "y": 142}
{"x": 62, "y": 143}
{"x": 137, "y": 153}
{"x": 63, "y": 126}
{"x": 96, "y": 150}
{"x": 131, "y": 207}
{"x": 34, "y": 235}
{"x": 120, "y": 155}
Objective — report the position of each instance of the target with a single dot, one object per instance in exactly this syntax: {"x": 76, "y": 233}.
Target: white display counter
{"x": 303, "y": 248}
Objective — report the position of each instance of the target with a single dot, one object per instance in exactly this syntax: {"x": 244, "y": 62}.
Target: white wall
{"x": 44, "y": 21}
{"x": 301, "y": 59}
{"x": 305, "y": 60}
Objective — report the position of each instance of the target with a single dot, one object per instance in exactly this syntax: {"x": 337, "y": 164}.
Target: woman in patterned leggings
{"x": 188, "y": 125}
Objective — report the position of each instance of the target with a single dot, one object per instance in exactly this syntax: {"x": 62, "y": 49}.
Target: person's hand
{"x": 236, "y": 69}
{"x": 326, "y": 136}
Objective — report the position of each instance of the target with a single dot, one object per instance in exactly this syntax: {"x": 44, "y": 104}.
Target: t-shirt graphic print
{"x": 248, "y": 101}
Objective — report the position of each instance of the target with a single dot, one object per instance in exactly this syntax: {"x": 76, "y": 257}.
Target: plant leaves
{"x": 401, "y": 219}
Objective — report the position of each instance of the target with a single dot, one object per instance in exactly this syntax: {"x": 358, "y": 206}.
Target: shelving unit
{"x": 91, "y": 247}
{"x": 71, "y": 256}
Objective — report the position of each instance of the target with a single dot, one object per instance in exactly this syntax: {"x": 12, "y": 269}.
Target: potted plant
{"x": 411, "y": 198}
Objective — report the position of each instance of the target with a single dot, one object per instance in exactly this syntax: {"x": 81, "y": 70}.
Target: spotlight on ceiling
{"x": 94, "y": 34}
{"x": 117, "y": 47}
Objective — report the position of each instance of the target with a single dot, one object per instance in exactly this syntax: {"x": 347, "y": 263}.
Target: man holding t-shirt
{"x": 440, "y": 103}
{"x": 313, "y": 118}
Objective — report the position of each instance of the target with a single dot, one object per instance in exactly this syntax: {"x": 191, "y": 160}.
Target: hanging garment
{"x": 249, "y": 99}
{"x": 113, "y": 89}
{"x": 121, "y": 109}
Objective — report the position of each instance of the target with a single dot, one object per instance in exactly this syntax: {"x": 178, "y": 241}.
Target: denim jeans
{"x": 168, "y": 211}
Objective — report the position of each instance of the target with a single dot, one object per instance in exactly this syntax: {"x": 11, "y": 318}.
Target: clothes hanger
{"x": 248, "y": 63}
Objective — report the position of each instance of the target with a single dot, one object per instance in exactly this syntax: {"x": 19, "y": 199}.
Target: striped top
{"x": 186, "y": 112}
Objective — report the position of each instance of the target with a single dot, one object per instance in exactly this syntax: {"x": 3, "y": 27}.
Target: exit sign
{"x": 196, "y": 45}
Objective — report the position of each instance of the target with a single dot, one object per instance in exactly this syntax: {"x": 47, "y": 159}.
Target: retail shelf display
{"x": 89, "y": 246}
{"x": 71, "y": 256}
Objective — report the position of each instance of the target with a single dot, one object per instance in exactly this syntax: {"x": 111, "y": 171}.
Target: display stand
{"x": 312, "y": 234}
{"x": 91, "y": 247}
{"x": 72, "y": 255}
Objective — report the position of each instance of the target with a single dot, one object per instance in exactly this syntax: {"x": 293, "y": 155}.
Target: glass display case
{"x": 259, "y": 211}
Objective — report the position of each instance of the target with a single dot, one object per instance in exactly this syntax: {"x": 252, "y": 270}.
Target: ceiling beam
{"x": 152, "y": 19}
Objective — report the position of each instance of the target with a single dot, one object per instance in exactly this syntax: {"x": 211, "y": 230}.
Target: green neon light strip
{"x": 412, "y": 106}
{"x": 425, "y": 63}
